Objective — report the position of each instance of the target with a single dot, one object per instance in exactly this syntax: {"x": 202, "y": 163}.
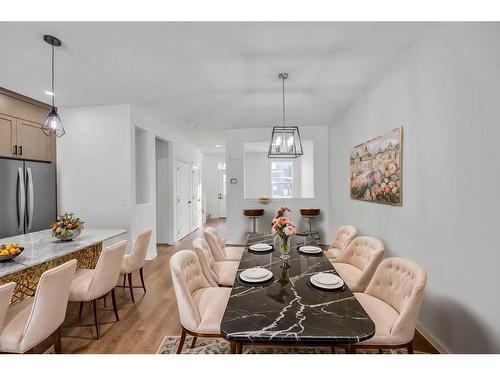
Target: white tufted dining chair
{"x": 134, "y": 261}
{"x": 201, "y": 305}
{"x": 340, "y": 241}
{"x": 358, "y": 262}
{"x": 220, "y": 273}
{"x": 29, "y": 322}
{"x": 221, "y": 252}
{"x": 392, "y": 300}
{"x": 6, "y": 291}
{"x": 90, "y": 285}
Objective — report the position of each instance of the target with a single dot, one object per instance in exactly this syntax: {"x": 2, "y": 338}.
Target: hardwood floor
{"x": 142, "y": 325}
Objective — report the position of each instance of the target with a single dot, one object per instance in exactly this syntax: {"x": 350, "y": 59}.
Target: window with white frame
{"x": 282, "y": 179}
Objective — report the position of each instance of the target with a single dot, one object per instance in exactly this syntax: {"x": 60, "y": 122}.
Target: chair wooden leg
{"x": 141, "y": 273}
{"x": 80, "y": 310}
{"x": 410, "y": 347}
{"x": 193, "y": 343}
{"x": 351, "y": 349}
{"x": 105, "y": 298}
{"x": 181, "y": 342}
{"x": 124, "y": 278}
{"x": 239, "y": 348}
{"x": 332, "y": 348}
{"x": 130, "y": 287}
{"x": 380, "y": 351}
{"x": 56, "y": 338}
{"x": 233, "y": 347}
{"x": 96, "y": 319}
{"x": 113, "y": 300}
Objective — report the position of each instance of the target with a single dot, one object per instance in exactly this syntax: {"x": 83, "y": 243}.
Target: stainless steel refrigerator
{"x": 27, "y": 196}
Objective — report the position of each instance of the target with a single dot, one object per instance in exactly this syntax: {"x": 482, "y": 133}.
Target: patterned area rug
{"x": 220, "y": 346}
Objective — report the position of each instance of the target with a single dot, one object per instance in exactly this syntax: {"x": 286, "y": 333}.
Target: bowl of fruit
{"x": 66, "y": 227}
{"x": 10, "y": 251}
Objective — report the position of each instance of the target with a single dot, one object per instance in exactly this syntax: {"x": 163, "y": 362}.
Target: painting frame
{"x": 399, "y": 162}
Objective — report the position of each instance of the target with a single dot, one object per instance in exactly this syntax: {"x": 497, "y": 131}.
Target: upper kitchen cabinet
{"x": 32, "y": 143}
{"x": 21, "y": 137}
{"x": 7, "y": 135}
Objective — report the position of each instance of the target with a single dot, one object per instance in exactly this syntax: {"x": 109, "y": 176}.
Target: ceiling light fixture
{"x": 285, "y": 140}
{"x": 53, "y": 124}
{"x": 218, "y": 146}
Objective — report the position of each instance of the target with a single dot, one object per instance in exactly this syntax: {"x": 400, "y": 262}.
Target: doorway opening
{"x": 221, "y": 189}
{"x": 164, "y": 192}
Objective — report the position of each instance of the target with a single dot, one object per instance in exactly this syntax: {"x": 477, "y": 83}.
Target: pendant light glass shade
{"x": 285, "y": 140}
{"x": 53, "y": 124}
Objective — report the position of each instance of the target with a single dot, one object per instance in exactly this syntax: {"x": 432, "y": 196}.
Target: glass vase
{"x": 284, "y": 246}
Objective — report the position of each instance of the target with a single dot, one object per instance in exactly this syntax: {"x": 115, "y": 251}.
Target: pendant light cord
{"x": 53, "y": 92}
{"x": 283, "y": 79}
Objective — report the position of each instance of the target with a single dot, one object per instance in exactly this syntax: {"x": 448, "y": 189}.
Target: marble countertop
{"x": 40, "y": 247}
{"x": 288, "y": 308}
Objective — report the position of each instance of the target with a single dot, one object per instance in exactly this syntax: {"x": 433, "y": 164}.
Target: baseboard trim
{"x": 442, "y": 349}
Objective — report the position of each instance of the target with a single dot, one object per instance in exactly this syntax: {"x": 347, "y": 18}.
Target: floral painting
{"x": 376, "y": 169}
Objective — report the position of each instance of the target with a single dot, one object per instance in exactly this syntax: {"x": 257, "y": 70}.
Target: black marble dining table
{"x": 288, "y": 309}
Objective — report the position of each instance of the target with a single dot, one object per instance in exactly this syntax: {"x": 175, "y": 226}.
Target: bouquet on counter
{"x": 66, "y": 227}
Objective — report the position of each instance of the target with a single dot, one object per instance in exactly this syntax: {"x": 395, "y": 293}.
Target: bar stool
{"x": 254, "y": 214}
{"x": 310, "y": 214}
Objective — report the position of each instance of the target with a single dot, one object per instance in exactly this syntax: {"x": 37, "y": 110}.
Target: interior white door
{"x": 196, "y": 197}
{"x": 221, "y": 195}
{"x": 183, "y": 200}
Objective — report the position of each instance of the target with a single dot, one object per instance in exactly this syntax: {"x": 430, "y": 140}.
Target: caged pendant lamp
{"x": 53, "y": 124}
{"x": 285, "y": 140}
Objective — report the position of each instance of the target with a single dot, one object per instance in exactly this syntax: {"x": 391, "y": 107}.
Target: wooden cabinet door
{"x": 7, "y": 135}
{"x": 32, "y": 143}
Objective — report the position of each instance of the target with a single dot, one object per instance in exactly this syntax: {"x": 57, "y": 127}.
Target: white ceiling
{"x": 206, "y": 77}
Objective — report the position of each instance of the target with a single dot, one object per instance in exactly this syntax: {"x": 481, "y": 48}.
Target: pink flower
{"x": 391, "y": 184}
{"x": 289, "y": 230}
{"x": 282, "y": 220}
{"x": 387, "y": 189}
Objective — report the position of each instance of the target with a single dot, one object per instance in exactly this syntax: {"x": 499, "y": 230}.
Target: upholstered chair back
{"x": 187, "y": 277}
{"x": 6, "y": 291}
{"x": 364, "y": 253}
{"x": 207, "y": 260}
{"x": 343, "y": 237}
{"x": 138, "y": 254}
{"x": 400, "y": 283}
{"x": 107, "y": 270}
{"x": 49, "y": 304}
{"x": 216, "y": 244}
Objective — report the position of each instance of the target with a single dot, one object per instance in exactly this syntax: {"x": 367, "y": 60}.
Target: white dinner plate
{"x": 310, "y": 249}
{"x": 327, "y": 281}
{"x": 260, "y": 247}
{"x": 256, "y": 275}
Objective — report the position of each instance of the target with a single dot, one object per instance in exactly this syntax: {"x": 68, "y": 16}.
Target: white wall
{"x": 445, "y": 92}
{"x": 93, "y": 165}
{"x": 97, "y": 171}
{"x": 239, "y": 225}
{"x": 257, "y": 175}
{"x": 210, "y": 181}
{"x": 144, "y": 215}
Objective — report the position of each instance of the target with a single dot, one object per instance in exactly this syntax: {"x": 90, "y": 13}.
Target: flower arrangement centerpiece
{"x": 66, "y": 227}
{"x": 283, "y": 229}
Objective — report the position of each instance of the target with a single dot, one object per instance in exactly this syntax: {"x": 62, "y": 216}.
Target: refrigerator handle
{"x": 21, "y": 199}
{"x": 30, "y": 198}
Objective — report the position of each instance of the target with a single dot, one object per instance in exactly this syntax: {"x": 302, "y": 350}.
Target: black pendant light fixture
{"x": 53, "y": 124}
{"x": 285, "y": 140}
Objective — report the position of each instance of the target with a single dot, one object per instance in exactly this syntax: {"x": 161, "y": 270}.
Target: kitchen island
{"x": 42, "y": 252}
